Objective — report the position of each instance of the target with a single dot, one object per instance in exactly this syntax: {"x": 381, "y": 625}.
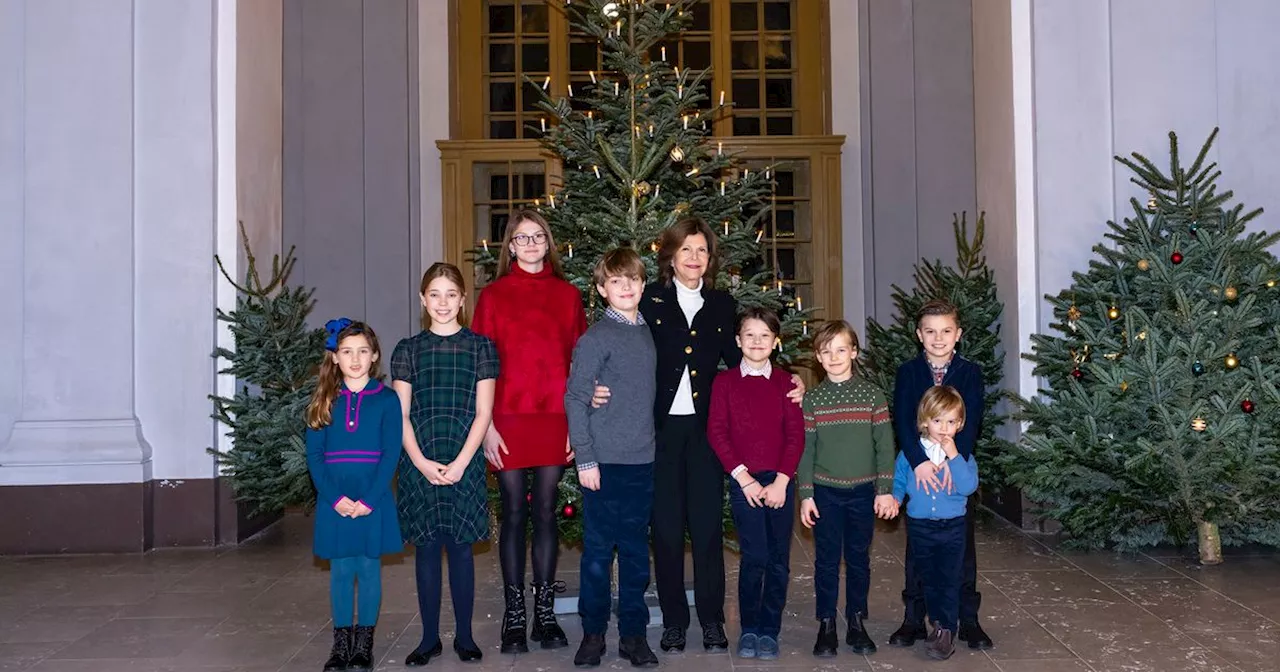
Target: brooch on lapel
{"x": 656, "y": 299}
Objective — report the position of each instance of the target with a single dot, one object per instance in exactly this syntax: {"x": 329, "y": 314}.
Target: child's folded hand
{"x": 775, "y": 494}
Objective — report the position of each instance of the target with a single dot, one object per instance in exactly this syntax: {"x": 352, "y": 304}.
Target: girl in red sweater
{"x": 758, "y": 433}
{"x": 535, "y": 317}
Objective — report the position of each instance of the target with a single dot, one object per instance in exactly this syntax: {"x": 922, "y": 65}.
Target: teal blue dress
{"x": 355, "y": 457}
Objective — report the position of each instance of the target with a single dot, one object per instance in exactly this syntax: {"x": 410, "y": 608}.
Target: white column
{"x": 77, "y": 422}
{"x": 1005, "y": 142}
{"x": 12, "y": 142}
{"x": 433, "y": 120}
{"x": 847, "y": 49}
{"x": 173, "y": 223}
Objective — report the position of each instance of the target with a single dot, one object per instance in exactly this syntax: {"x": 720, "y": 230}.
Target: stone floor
{"x": 264, "y": 607}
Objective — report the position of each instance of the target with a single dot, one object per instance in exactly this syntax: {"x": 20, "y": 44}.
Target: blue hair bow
{"x": 333, "y": 328}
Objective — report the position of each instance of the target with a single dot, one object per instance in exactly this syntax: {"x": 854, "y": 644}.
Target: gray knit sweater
{"x": 622, "y": 357}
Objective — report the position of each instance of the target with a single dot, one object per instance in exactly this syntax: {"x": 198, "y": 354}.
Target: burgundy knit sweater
{"x": 752, "y": 422}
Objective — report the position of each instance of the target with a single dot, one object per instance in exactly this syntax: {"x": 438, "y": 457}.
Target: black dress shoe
{"x": 974, "y": 634}
{"x": 589, "y": 651}
{"x": 419, "y": 657}
{"x": 858, "y": 638}
{"x": 828, "y": 642}
{"x": 636, "y": 650}
{"x": 673, "y": 639}
{"x": 467, "y": 653}
{"x": 713, "y": 638}
{"x": 908, "y": 634}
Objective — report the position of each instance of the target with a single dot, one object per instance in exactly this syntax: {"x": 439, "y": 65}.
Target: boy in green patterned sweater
{"x": 845, "y": 480}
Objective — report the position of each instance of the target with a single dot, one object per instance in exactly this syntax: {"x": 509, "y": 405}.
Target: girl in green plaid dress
{"x": 445, "y": 378}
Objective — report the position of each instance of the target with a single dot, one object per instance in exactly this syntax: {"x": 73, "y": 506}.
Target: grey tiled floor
{"x": 263, "y": 607}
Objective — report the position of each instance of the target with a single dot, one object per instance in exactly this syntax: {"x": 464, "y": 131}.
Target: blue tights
{"x": 344, "y": 574}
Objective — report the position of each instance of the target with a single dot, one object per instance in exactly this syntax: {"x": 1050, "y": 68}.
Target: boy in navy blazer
{"x": 938, "y": 329}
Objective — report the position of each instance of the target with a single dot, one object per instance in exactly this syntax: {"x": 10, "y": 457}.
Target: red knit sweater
{"x": 535, "y": 319}
{"x": 752, "y": 422}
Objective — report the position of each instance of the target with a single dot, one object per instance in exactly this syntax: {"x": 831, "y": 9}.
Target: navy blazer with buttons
{"x": 701, "y": 346}
{"x": 914, "y": 378}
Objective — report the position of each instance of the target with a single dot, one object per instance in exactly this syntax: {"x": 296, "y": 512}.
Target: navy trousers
{"x": 616, "y": 518}
{"x": 764, "y": 568}
{"x": 970, "y": 598}
{"x": 938, "y": 546}
{"x": 845, "y": 524}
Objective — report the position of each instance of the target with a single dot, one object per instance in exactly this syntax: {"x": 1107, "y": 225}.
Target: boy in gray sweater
{"x": 614, "y": 448}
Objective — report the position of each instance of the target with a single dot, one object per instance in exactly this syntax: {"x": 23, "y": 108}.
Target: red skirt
{"x": 533, "y": 439}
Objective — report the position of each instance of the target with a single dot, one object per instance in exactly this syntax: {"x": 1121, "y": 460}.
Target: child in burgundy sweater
{"x": 758, "y": 433}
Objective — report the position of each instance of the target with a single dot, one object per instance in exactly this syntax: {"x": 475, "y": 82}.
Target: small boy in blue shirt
{"x": 936, "y": 520}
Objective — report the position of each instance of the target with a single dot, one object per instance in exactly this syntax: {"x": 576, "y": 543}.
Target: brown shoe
{"x": 940, "y": 645}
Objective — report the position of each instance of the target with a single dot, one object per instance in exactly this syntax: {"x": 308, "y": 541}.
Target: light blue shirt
{"x": 936, "y": 505}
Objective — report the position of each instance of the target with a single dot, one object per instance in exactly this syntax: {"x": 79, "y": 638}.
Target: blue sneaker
{"x": 747, "y": 646}
{"x": 767, "y": 648}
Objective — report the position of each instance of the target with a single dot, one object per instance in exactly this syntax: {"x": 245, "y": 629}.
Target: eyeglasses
{"x": 523, "y": 240}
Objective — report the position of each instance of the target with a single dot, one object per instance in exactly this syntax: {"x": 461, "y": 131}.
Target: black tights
{"x": 515, "y": 516}
{"x": 462, "y": 589}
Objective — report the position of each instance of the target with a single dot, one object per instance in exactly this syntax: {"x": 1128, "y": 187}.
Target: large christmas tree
{"x": 274, "y": 362}
{"x": 1159, "y": 420}
{"x": 637, "y": 157}
{"x": 970, "y": 286}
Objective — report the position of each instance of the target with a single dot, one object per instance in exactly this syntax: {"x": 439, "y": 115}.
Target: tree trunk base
{"x": 1210, "y": 544}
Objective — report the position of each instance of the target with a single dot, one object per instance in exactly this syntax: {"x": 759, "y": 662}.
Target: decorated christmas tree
{"x": 1158, "y": 421}
{"x": 970, "y": 286}
{"x": 274, "y": 363}
{"x": 637, "y": 156}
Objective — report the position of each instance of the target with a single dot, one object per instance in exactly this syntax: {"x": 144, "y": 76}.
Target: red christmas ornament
{"x": 1077, "y": 374}
{"x": 1246, "y": 406}
{"x": 1176, "y": 257}
{"x": 568, "y": 511}
{"x": 528, "y": 497}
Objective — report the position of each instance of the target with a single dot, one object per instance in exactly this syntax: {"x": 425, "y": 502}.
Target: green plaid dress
{"x": 443, "y": 371}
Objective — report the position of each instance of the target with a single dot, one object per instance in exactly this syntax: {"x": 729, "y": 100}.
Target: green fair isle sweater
{"x": 848, "y": 438}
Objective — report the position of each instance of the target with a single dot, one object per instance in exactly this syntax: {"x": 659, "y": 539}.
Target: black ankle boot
{"x": 858, "y": 638}
{"x": 828, "y": 641}
{"x": 545, "y": 628}
{"x": 513, "y": 621}
{"x": 909, "y": 633}
{"x": 362, "y": 650}
{"x": 341, "y": 652}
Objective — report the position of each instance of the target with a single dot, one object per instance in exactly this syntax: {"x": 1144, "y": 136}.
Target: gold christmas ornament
{"x": 1124, "y": 386}
{"x": 677, "y": 154}
{"x": 1199, "y": 424}
{"x": 643, "y": 188}
{"x": 1231, "y": 293}
{"x": 1113, "y": 313}
{"x": 1231, "y": 361}
{"x": 1142, "y": 335}
{"x": 1151, "y": 202}
{"x": 682, "y": 207}
{"x": 1144, "y": 265}
{"x": 1073, "y": 314}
